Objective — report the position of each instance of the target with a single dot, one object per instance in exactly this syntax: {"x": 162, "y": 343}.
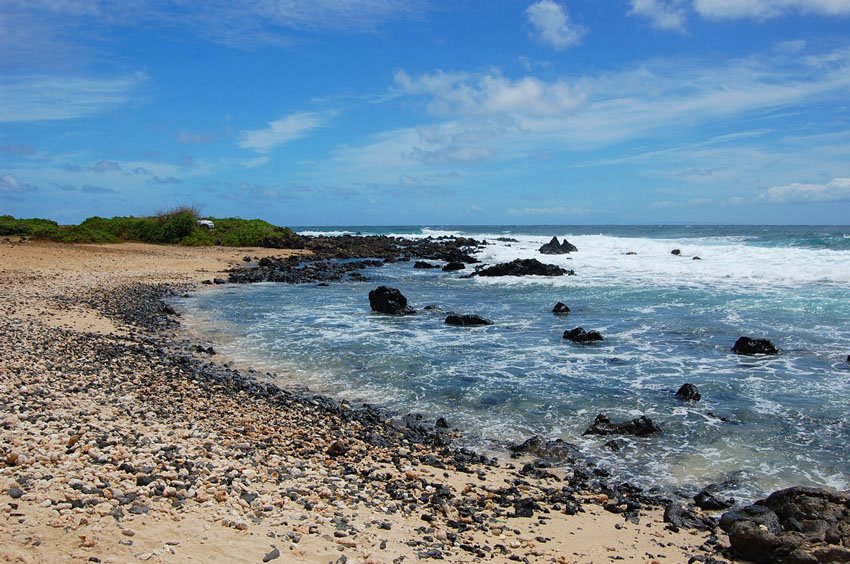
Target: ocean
{"x": 763, "y": 423}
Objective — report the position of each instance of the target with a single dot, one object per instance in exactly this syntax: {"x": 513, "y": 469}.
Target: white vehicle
{"x": 206, "y": 223}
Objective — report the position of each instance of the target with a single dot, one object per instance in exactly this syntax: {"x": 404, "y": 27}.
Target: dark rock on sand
{"x": 467, "y": 320}
{"x": 390, "y": 301}
{"x": 709, "y": 502}
{"x": 554, "y": 247}
{"x": 640, "y": 427}
{"x": 561, "y": 308}
{"x": 688, "y": 392}
{"x": 273, "y": 555}
{"x": 452, "y": 266}
{"x": 556, "y": 450}
{"x": 423, "y": 264}
{"x": 219, "y": 281}
{"x": 678, "y": 517}
{"x": 745, "y": 345}
{"x": 524, "y": 267}
{"x": 579, "y": 335}
{"x": 795, "y": 525}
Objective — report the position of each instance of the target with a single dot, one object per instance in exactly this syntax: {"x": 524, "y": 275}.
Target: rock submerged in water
{"x": 524, "y": 267}
{"x": 561, "y": 308}
{"x": 452, "y": 266}
{"x": 641, "y": 426}
{"x": 795, "y": 525}
{"x": 688, "y": 392}
{"x": 676, "y": 252}
{"x": 468, "y": 320}
{"x": 579, "y": 335}
{"x": 389, "y": 301}
{"x": 554, "y": 247}
{"x": 423, "y": 264}
{"x": 748, "y": 346}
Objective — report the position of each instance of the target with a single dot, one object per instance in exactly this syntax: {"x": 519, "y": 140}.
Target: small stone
{"x": 273, "y": 555}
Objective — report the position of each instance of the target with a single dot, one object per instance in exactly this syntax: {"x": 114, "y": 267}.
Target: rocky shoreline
{"x": 119, "y": 431}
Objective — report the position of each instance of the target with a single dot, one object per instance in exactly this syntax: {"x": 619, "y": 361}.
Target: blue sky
{"x": 342, "y": 112}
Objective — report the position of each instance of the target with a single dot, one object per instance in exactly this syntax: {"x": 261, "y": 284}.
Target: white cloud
{"x": 282, "y": 130}
{"x": 552, "y": 25}
{"x": 765, "y": 9}
{"x": 491, "y": 93}
{"x": 9, "y": 184}
{"x": 835, "y": 190}
{"x": 44, "y": 98}
{"x": 45, "y": 28}
{"x": 664, "y": 14}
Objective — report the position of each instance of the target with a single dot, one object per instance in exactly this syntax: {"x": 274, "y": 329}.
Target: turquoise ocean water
{"x": 666, "y": 319}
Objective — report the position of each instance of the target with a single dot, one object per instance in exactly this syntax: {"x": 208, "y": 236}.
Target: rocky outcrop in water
{"x": 453, "y": 266}
{"x": 795, "y": 525}
{"x": 448, "y": 249}
{"x": 747, "y": 346}
{"x": 688, "y": 392}
{"x": 555, "y": 450}
{"x": 293, "y": 271}
{"x": 424, "y": 265}
{"x": 524, "y": 267}
{"x": 389, "y": 301}
{"x": 642, "y": 426}
{"x": 579, "y": 335}
{"x": 554, "y": 247}
{"x": 561, "y": 308}
{"x": 467, "y": 320}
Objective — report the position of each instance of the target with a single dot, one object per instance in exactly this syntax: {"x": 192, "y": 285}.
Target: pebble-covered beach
{"x": 124, "y": 438}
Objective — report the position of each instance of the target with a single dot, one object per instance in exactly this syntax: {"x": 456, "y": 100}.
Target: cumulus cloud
{"x": 491, "y": 93}
{"x": 765, "y": 9}
{"x": 835, "y": 190}
{"x": 664, "y": 14}
{"x": 282, "y": 130}
{"x": 552, "y": 26}
{"x": 105, "y": 166}
{"x": 10, "y": 185}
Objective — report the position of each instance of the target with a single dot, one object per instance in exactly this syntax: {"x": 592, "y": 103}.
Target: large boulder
{"x": 554, "y": 247}
{"x": 423, "y": 264}
{"x": 745, "y": 345}
{"x": 795, "y": 525}
{"x": 579, "y": 335}
{"x": 468, "y": 320}
{"x": 524, "y": 267}
{"x": 561, "y": 308}
{"x": 454, "y": 265}
{"x": 390, "y": 301}
{"x": 640, "y": 427}
{"x": 688, "y": 392}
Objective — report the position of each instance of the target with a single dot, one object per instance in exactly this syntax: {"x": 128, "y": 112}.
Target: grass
{"x": 175, "y": 227}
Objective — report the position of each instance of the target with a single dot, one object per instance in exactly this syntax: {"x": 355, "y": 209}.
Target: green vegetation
{"x": 176, "y": 227}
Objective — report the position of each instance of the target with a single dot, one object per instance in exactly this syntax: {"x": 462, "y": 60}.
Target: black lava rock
{"x": 561, "y": 308}
{"x": 747, "y": 346}
{"x": 794, "y": 525}
{"x": 640, "y": 427}
{"x": 452, "y": 266}
{"x": 390, "y": 301}
{"x": 688, "y": 392}
{"x": 468, "y": 320}
{"x": 579, "y": 335}
{"x": 524, "y": 267}
{"x": 554, "y": 247}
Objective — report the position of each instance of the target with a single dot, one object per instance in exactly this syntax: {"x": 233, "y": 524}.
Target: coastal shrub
{"x": 176, "y": 226}
{"x": 36, "y": 228}
{"x": 77, "y": 234}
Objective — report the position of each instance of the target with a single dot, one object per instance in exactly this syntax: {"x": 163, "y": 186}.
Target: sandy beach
{"x": 123, "y": 439}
